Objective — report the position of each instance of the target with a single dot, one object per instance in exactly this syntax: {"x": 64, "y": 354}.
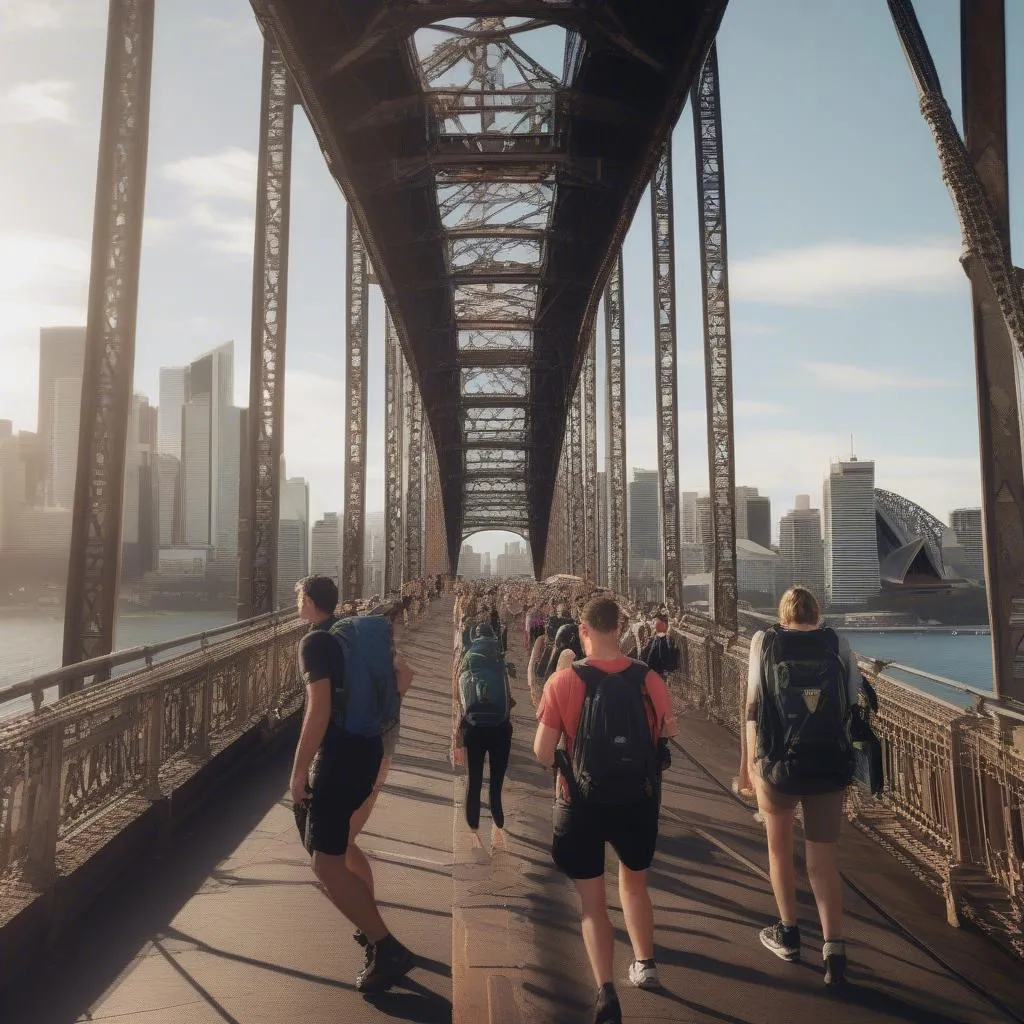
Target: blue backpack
{"x": 483, "y": 687}
{"x": 368, "y": 700}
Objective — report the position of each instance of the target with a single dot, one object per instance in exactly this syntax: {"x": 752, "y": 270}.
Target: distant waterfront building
{"x": 757, "y": 570}
{"x": 753, "y": 516}
{"x": 689, "y": 521}
{"x": 705, "y": 535}
{"x": 966, "y": 525}
{"x": 645, "y": 528}
{"x": 61, "y": 359}
{"x": 140, "y": 514}
{"x": 801, "y": 549}
{"x": 485, "y": 564}
{"x": 325, "y": 548}
{"x": 172, "y": 398}
{"x": 515, "y": 561}
{"x": 168, "y": 473}
{"x": 292, "y": 537}
{"x": 851, "y": 545}
{"x": 470, "y": 563}
{"x": 692, "y": 557}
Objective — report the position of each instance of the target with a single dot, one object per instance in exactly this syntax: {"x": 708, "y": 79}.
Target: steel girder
{"x": 574, "y": 462}
{"x": 714, "y": 261}
{"x": 492, "y": 191}
{"x": 393, "y": 402}
{"x": 264, "y": 422}
{"x": 93, "y": 567}
{"x": 413, "y": 564}
{"x": 590, "y": 517}
{"x": 666, "y": 388}
{"x": 357, "y": 295}
{"x": 615, "y": 414}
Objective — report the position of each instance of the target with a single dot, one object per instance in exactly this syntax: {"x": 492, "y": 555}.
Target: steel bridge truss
{"x": 110, "y": 334}
{"x": 707, "y": 127}
{"x": 615, "y": 413}
{"x": 394, "y": 519}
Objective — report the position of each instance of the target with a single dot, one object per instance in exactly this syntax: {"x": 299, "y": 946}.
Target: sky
{"x": 851, "y": 314}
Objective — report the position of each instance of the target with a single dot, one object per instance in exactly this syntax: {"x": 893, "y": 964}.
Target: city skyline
{"x": 836, "y": 305}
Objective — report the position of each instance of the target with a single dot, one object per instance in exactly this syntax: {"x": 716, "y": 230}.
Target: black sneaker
{"x": 834, "y": 955}
{"x": 386, "y": 963}
{"x": 360, "y": 939}
{"x": 607, "y": 1009}
{"x": 782, "y": 941}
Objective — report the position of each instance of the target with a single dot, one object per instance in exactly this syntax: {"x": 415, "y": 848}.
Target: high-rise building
{"x": 705, "y": 532}
{"x": 515, "y": 561}
{"x": 485, "y": 564}
{"x": 689, "y": 523}
{"x": 470, "y": 563}
{"x": 140, "y": 515}
{"x": 757, "y": 570}
{"x": 292, "y": 537}
{"x": 966, "y": 524}
{"x": 173, "y": 396}
{"x": 801, "y": 549}
{"x": 168, "y": 474}
{"x": 61, "y": 359}
{"x": 759, "y": 520}
{"x": 851, "y": 541}
{"x": 644, "y": 516}
{"x": 325, "y": 549}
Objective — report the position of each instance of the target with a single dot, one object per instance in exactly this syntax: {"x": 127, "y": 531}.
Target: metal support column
{"x": 615, "y": 412}
{"x": 413, "y": 567}
{"x": 574, "y": 463}
{"x": 975, "y": 173}
{"x": 707, "y": 130}
{"x": 93, "y": 566}
{"x": 590, "y": 505}
{"x": 667, "y": 402}
{"x": 393, "y": 400}
{"x": 264, "y": 437}
{"x": 357, "y": 295}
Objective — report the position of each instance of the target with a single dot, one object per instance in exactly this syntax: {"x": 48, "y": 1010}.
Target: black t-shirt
{"x": 321, "y": 657}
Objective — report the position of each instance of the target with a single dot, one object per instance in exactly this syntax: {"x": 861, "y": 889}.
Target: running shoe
{"x": 607, "y": 1009}
{"x": 782, "y": 941}
{"x": 834, "y": 955}
{"x": 386, "y": 962}
{"x": 644, "y": 974}
{"x": 360, "y": 939}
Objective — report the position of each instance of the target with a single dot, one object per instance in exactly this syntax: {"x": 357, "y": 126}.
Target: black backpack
{"x": 615, "y": 756}
{"x": 661, "y": 654}
{"x": 804, "y": 742}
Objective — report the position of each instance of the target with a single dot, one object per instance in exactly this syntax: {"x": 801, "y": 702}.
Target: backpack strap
{"x": 636, "y": 673}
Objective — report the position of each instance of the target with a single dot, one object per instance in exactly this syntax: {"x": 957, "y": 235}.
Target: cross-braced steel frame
{"x": 577, "y": 526}
{"x": 666, "y": 397}
{"x": 413, "y": 566}
{"x": 393, "y": 400}
{"x": 707, "y": 129}
{"x": 590, "y": 516}
{"x": 615, "y": 413}
{"x": 110, "y": 334}
{"x": 261, "y": 487}
{"x": 357, "y": 295}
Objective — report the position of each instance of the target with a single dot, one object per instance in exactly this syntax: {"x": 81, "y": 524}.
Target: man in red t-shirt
{"x": 581, "y": 830}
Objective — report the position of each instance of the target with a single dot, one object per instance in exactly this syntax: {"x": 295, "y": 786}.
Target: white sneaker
{"x": 644, "y": 974}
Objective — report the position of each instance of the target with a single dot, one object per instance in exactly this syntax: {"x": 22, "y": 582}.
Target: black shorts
{"x": 580, "y": 833}
{"x": 342, "y": 777}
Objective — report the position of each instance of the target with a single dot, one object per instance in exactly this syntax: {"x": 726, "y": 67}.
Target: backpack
{"x": 614, "y": 754}
{"x": 661, "y": 654}
{"x": 804, "y": 741}
{"x": 368, "y": 700}
{"x": 483, "y": 687}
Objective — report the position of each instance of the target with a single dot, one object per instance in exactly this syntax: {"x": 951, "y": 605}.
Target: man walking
{"x": 333, "y": 775}
{"x": 616, "y": 717}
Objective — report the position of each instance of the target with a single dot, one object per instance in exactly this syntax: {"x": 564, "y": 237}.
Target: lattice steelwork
{"x": 707, "y": 128}
{"x": 667, "y": 403}
{"x": 110, "y": 337}
{"x": 574, "y": 463}
{"x": 413, "y": 566}
{"x": 357, "y": 294}
{"x": 258, "y": 521}
{"x": 615, "y": 413}
{"x": 393, "y": 401}
{"x": 590, "y": 517}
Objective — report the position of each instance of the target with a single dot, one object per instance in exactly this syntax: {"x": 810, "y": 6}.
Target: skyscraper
{"x": 689, "y": 525}
{"x": 325, "y": 549}
{"x": 470, "y": 563}
{"x": 753, "y": 517}
{"x": 646, "y": 567}
{"x": 140, "y": 520}
{"x": 705, "y": 532}
{"x": 966, "y": 524}
{"x": 515, "y": 561}
{"x": 801, "y": 548}
{"x": 851, "y": 542}
{"x": 61, "y": 358}
{"x": 173, "y": 395}
{"x": 292, "y": 537}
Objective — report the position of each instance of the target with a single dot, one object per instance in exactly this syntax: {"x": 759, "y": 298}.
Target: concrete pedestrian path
{"x": 228, "y": 925}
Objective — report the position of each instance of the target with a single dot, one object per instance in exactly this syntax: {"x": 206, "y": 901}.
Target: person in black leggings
{"x": 494, "y": 741}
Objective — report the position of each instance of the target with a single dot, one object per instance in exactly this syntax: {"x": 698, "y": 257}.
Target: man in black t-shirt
{"x": 332, "y": 777}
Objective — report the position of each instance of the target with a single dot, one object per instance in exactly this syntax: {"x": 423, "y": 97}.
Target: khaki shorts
{"x": 823, "y": 812}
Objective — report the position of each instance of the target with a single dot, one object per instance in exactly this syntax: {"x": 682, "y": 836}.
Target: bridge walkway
{"x": 227, "y": 925}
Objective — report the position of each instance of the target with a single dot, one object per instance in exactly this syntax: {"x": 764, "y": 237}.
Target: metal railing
{"x": 953, "y": 805}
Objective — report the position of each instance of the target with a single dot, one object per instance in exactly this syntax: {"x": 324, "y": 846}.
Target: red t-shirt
{"x": 564, "y": 694}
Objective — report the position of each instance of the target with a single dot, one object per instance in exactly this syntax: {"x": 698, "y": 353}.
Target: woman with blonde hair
{"x": 802, "y": 682}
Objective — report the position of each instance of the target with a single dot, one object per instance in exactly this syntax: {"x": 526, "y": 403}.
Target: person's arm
{"x": 404, "y": 674}
{"x": 545, "y": 743}
{"x": 748, "y": 726}
{"x": 315, "y": 663}
{"x": 531, "y": 669}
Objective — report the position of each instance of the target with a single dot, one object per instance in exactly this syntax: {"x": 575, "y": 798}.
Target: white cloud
{"x": 27, "y": 16}
{"x": 751, "y": 408}
{"x": 46, "y": 100}
{"x": 846, "y": 377}
{"x": 227, "y": 175}
{"x": 228, "y": 233}
{"x": 832, "y": 272}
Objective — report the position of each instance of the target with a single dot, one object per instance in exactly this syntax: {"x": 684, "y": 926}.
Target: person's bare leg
{"x": 357, "y": 861}
{"x": 638, "y": 911}
{"x": 596, "y": 927}
{"x": 827, "y": 886}
{"x": 348, "y": 892}
{"x": 780, "y": 861}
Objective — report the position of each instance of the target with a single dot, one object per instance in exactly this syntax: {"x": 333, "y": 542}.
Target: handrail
{"x": 36, "y": 686}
